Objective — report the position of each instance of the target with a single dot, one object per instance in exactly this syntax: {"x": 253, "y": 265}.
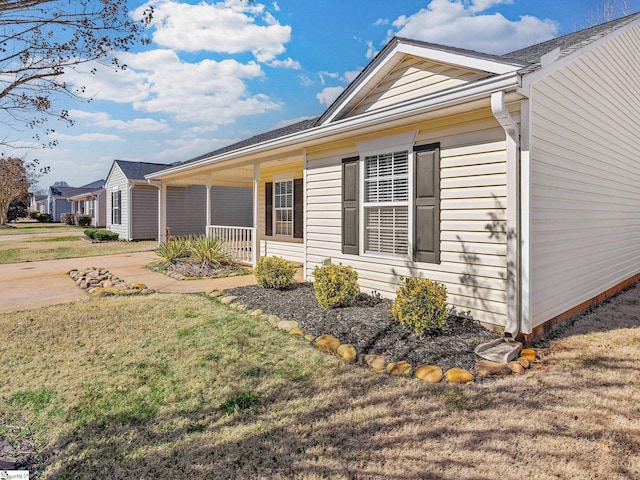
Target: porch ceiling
{"x": 238, "y": 173}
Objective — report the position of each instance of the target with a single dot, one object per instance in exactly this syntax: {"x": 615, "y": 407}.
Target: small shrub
{"x": 209, "y": 251}
{"x": 105, "y": 235}
{"x": 421, "y": 304}
{"x": 68, "y": 218}
{"x": 83, "y": 220}
{"x": 274, "y": 272}
{"x": 172, "y": 250}
{"x": 45, "y": 218}
{"x": 335, "y": 286}
{"x": 34, "y": 214}
{"x": 90, "y": 232}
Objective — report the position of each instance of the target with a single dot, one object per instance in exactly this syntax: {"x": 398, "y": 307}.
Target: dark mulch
{"x": 369, "y": 326}
{"x": 196, "y": 269}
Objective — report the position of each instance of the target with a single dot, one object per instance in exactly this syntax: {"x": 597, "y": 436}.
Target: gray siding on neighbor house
{"x": 186, "y": 210}
{"x": 144, "y": 212}
{"x": 232, "y": 206}
{"x": 60, "y": 206}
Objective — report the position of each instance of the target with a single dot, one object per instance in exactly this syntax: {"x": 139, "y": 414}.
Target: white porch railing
{"x": 240, "y": 241}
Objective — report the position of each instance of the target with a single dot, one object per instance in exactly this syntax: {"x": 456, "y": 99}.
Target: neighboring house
{"x": 132, "y": 204}
{"x": 38, "y": 203}
{"x": 92, "y": 203}
{"x": 512, "y": 179}
{"x": 58, "y": 198}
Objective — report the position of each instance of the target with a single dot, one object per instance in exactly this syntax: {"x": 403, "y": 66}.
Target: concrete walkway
{"x": 37, "y": 284}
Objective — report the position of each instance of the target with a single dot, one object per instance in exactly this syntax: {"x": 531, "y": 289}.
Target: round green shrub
{"x": 335, "y": 286}
{"x": 105, "y": 235}
{"x": 83, "y": 220}
{"x": 90, "y": 232}
{"x": 421, "y": 304}
{"x": 274, "y": 272}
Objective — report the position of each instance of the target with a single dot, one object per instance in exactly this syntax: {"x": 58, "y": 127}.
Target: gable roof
{"x": 568, "y": 43}
{"x": 396, "y": 50}
{"x": 98, "y": 184}
{"x": 66, "y": 192}
{"x": 137, "y": 170}
{"x": 521, "y": 61}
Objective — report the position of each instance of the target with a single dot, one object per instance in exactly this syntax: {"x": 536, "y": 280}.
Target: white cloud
{"x": 371, "y": 51}
{"x": 305, "y": 81}
{"x": 350, "y": 76}
{"x": 324, "y": 75}
{"x": 224, "y": 27}
{"x": 460, "y": 24}
{"x": 287, "y": 63}
{"x": 102, "y": 119}
{"x": 204, "y": 92}
{"x": 275, "y": 6}
{"x": 328, "y": 95}
{"x": 88, "y": 137}
{"x": 186, "y": 148}
{"x": 381, "y": 21}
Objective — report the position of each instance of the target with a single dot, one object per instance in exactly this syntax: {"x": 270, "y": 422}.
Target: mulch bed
{"x": 198, "y": 270}
{"x": 369, "y": 326}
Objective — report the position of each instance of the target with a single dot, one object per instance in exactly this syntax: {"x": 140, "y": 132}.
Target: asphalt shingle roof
{"x": 569, "y": 43}
{"x": 531, "y": 55}
{"x": 137, "y": 170}
{"x": 66, "y": 192}
{"x": 261, "y": 137}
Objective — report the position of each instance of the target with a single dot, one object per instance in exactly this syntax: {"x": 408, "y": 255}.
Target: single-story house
{"x": 92, "y": 203}
{"x": 38, "y": 203}
{"x": 512, "y": 179}
{"x": 58, "y": 198}
{"x": 132, "y": 204}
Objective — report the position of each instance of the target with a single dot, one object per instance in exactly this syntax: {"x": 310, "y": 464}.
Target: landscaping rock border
{"x": 427, "y": 373}
{"x": 99, "y": 282}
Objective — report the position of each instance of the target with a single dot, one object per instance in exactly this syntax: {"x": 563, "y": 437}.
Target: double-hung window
{"x": 391, "y": 200}
{"x": 91, "y": 207}
{"x": 386, "y": 203}
{"x": 283, "y": 208}
{"x": 116, "y": 200}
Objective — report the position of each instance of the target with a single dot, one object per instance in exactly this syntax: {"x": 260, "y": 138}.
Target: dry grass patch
{"x": 56, "y": 247}
{"x": 170, "y": 386}
{"x": 33, "y": 227}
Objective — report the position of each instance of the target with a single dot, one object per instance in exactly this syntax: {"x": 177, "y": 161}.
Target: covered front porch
{"x": 275, "y": 184}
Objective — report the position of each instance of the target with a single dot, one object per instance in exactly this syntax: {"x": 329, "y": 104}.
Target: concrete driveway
{"x": 37, "y": 284}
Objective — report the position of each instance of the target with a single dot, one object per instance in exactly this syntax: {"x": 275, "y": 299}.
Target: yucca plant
{"x": 172, "y": 250}
{"x": 209, "y": 251}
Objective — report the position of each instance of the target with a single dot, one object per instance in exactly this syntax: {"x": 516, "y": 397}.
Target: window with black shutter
{"x": 284, "y": 208}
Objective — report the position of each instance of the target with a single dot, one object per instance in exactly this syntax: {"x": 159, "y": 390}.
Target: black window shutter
{"x": 268, "y": 213}
{"x": 298, "y": 209}
{"x": 426, "y": 237}
{"x": 350, "y": 209}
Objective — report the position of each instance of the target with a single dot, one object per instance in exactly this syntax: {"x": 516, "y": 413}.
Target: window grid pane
{"x": 283, "y": 208}
{"x": 386, "y": 197}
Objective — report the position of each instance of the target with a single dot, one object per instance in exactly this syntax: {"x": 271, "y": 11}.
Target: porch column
{"x": 255, "y": 244}
{"x": 162, "y": 213}
{"x": 207, "y": 183}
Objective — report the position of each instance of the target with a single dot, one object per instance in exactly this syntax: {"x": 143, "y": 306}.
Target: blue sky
{"x": 218, "y": 72}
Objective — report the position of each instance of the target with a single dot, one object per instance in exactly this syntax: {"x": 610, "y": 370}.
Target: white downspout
{"x": 513, "y": 230}
{"x": 129, "y": 210}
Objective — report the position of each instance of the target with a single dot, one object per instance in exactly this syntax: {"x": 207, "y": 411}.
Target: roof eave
{"x": 506, "y": 82}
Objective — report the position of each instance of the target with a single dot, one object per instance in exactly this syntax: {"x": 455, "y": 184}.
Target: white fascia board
{"x": 460, "y": 59}
{"x": 398, "y": 48}
{"x": 454, "y": 96}
{"x": 529, "y": 79}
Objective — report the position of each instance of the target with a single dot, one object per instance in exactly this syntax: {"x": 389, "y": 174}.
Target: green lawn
{"x": 74, "y": 247}
{"x": 24, "y": 227}
{"x": 178, "y": 386}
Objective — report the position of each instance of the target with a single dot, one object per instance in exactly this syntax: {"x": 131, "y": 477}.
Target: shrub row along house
{"x": 73, "y": 200}
{"x": 511, "y": 179}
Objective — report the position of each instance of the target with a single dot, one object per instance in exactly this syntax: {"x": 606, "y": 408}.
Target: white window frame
{"x": 277, "y": 181}
{"x": 380, "y": 146}
{"x": 119, "y": 208}
{"x": 91, "y": 207}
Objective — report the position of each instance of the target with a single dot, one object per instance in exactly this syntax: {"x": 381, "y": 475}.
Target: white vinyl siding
{"x": 412, "y": 78}
{"x": 585, "y": 213}
{"x": 473, "y": 211}
{"x": 291, "y": 249}
{"x": 117, "y": 181}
